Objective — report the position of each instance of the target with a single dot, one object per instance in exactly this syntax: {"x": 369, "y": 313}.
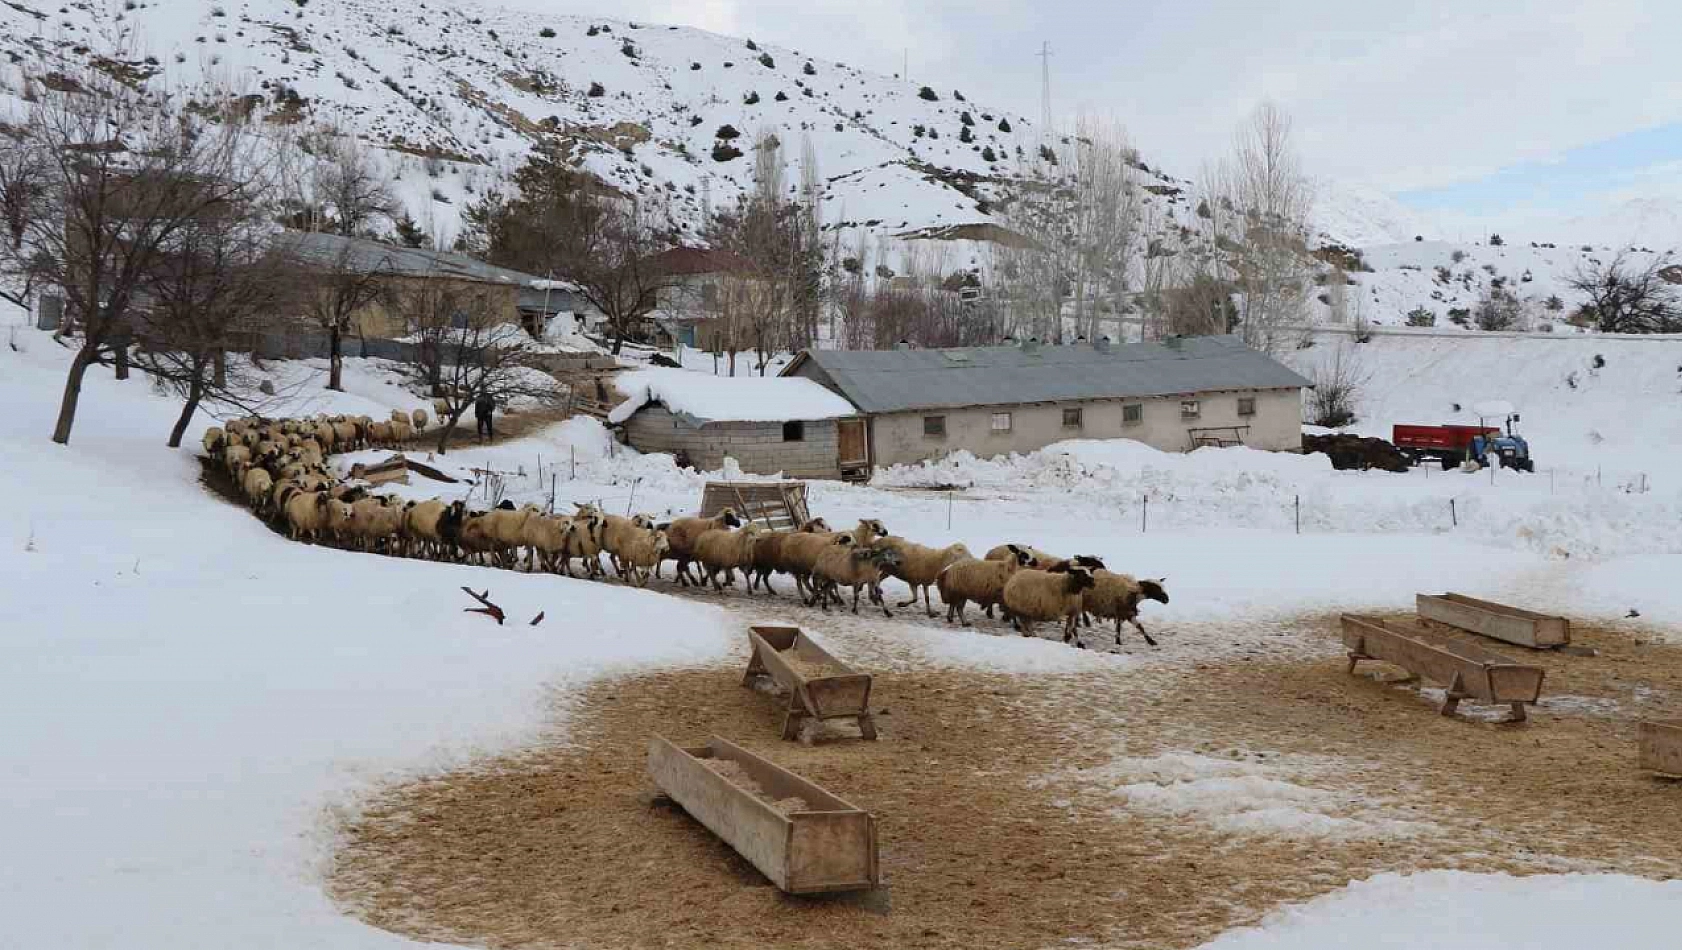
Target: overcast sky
{"x": 1517, "y": 110}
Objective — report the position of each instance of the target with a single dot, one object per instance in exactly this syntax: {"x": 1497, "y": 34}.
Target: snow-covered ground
{"x": 1451, "y": 910}
{"x": 191, "y": 696}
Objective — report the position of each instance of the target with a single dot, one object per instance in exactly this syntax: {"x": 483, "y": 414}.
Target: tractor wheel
{"x": 1449, "y": 464}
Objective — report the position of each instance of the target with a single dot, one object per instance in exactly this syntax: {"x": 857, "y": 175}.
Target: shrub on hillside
{"x": 988, "y": 155}
{"x": 927, "y": 93}
{"x": 752, "y": 98}
{"x": 725, "y": 152}
{"x": 766, "y": 61}
{"x": 809, "y": 69}
{"x": 726, "y": 133}
{"x": 1422, "y": 317}
{"x": 597, "y": 90}
{"x": 549, "y": 33}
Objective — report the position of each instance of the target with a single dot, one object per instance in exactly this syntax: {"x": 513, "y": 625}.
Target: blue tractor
{"x": 1507, "y": 450}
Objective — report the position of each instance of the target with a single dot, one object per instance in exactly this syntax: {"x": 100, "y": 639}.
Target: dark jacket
{"x": 483, "y": 407}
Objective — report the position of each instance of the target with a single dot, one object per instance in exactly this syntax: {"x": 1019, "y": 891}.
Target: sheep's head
{"x": 1023, "y": 558}
{"x": 643, "y": 521}
{"x": 885, "y": 558}
{"x": 729, "y": 518}
{"x": 844, "y": 540}
{"x": 815, "y": 526}
{"x": 1081, "y": 578}
{"x": 1153, "y": 590}
{"x": 662, "y": 544}
{"x": 873, "y": 526}
{"x": 1087, "y": 561}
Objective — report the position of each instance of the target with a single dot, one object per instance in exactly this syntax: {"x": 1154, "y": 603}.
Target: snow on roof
{"x": 727, "y": 398}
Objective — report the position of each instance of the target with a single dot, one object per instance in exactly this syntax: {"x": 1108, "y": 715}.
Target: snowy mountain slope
{"x": 1357, "y": 216}
{"x": 1643, "y": 222}
{"x": 473, "y": 88}
{"x": 1427, "y": 274}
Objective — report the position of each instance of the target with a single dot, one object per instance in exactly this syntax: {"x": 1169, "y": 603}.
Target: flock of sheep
{"x": 281, "y": 468}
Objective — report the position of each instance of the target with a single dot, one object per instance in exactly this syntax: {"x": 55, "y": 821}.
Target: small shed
{"x": 767, "y": 424}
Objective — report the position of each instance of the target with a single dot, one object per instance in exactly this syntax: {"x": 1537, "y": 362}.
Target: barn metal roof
{"x": 374, "y": 257}
{"x": 901, "y": 380}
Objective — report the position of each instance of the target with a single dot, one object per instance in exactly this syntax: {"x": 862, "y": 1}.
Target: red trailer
{"x": 1452, "y": 444}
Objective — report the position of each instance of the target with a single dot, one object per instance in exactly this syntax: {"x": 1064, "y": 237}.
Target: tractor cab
{"x": 1508, "y": 449}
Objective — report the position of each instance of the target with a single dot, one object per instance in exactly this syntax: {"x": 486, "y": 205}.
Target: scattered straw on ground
{"x": 986, "y": 840}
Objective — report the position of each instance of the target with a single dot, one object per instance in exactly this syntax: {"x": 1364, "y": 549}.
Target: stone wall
{"x": 757, "y": 446}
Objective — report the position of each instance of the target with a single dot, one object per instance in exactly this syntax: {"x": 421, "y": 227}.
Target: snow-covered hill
{"x": 457, "y": 94}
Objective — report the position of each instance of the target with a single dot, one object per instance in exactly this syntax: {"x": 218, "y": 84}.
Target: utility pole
{"x": 1045, "y": 88}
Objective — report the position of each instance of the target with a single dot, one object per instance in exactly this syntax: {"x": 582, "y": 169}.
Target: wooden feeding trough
{"x": 779, "y": 506}
{"x": 393, "y": 469}
{"x": 1469, "y": 671}
{"x": 1510, "y": 624}
{"x": 804, "y": 839}
{"x": 819, "y": 686}
{"x": 1660, "y": 744}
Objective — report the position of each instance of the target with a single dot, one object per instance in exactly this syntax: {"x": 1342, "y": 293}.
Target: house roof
{"x": 901, "y": 380}
{"x": 704, "y": 398}
{"x": 374, "y": 257}
{"x": 686, "y": 261}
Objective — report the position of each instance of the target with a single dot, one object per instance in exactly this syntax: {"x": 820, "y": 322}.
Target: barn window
{"x": 1133, "y": 413}
{"x": 1001, "y": 422}
{"x": 1071, "y": 418}
{"x": 934, "y": 426}
{"x": 1190, "y": 409}
{"x": 794, "y": 432}
{"x": 1246, "y": 405}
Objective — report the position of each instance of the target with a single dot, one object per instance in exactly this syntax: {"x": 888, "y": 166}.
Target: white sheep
{"x": 845, "y": 563}
{"x": 800, "y": 551}
{"x": 642, "y": 555}
{"x": 544, "y": 538}
{"x": 920, "y": 566}
{"x": 981, "y": 582}
{"x": 618, "y": 532}
{"x": 308, "y": 514}
{"x": 768, "y": 553}
{"x": 584, "y": 541}
{"x": 1032, "y": 596}
{"x": 257, "y": 484}
{"x": 682, "y": 533}
{"x": 724, "y": 551}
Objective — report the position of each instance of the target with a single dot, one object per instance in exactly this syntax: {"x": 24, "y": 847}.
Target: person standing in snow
{"x": 483, "y": 408}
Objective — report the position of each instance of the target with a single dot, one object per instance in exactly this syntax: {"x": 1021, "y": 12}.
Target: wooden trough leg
{"x": 756, "y": 668}
{"x": 1518, "y": 713}
{"x": 1451, "y": 699}
{"x": 792, "y": 722}
{"x": 867, "y": 726}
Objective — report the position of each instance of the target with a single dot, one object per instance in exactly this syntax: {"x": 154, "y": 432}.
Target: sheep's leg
{"x": 765, "y": 579}
{"x": 1142, "y": 632}
{"x": 928, "y": 607}
{"x": 989, "y": 612}
{"x": 884, "y": 601}
{"x": 855, "y": 599}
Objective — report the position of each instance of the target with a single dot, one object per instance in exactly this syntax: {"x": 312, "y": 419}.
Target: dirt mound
{"x": 1355, "y": 452}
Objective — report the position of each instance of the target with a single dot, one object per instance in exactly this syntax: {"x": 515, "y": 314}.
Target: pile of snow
{"x": 1456, "y": 910}
{"x": 727, "y": 398}
{"x": 1247, "y": 793}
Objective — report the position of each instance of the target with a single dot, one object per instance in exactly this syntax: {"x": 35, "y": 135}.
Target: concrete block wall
{"x": 757, "y": 446}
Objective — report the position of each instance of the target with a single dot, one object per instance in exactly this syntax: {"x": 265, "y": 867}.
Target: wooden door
{"x": 854, "y": 447}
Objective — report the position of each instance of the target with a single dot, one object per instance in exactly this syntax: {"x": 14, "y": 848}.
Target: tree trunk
{"x": 72, "y": 393}
{"x": 335, "y": 359}
{"x": 122, "y": 356}
{"x": 444, "y": 433}
{"x": 220, "y": 370}
{"x": 618, "y": 336}
{"x": 195, "y": 392}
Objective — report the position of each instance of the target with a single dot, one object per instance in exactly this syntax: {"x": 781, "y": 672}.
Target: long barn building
{"x": 839, "y": 414}
{"x": 1175, "y": 395}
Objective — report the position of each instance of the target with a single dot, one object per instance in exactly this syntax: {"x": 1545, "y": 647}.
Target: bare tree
{"x": 463, "y": 353}
{"x": 122, "y": 175}
{"x": 211, "y": 283}
{"x": 352, "y": 193}
{"x": 1625, "y": 298}
{"x": 23, "y": 183}
{"x": 340, "y": 286}
{"x": 1261, "y": 201}
{"x": 1337, "y": 387}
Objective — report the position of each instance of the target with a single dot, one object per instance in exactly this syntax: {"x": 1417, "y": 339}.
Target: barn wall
{"x": 1277, "y": 425}
{"x": 757, "y": 446}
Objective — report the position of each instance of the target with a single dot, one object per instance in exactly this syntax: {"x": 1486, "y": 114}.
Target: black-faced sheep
{"x": 1032, "y": 596}
{"x": 800, "y": 551}
{"x": 1117, "y": 596}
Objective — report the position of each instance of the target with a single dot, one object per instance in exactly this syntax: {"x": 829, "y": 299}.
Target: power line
{"x": 1045, "y": 87}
